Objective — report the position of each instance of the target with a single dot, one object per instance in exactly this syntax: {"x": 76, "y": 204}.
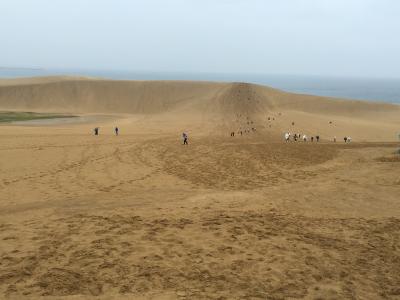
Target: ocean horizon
{"x": 369, "y": 89}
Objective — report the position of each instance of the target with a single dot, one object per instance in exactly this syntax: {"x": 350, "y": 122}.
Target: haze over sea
{"x": 374, "y": 89}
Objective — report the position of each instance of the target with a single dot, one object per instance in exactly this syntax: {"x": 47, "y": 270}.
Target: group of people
{"x": 185, "y": 137}
{"x": 96, "y": 130}
{"x": 298, "y": 137}
{"x": 347, "y": 139}
{"x": 287, "y": 135}
{"x": 241, "y": 132}
{"x": 304, "y": 137}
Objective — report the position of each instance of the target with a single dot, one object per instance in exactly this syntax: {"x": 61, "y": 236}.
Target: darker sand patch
{"x": 390, "y": 159}
{"x": 19, "y": 117}
{"x": 243, "y": 165}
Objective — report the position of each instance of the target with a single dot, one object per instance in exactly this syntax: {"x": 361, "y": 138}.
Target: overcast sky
{"x": 310, "y": 37}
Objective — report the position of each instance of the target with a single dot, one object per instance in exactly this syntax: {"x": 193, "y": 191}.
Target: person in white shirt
{"x": 287, "y": 136}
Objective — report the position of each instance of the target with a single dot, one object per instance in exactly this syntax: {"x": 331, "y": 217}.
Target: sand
{"x": 140, "y": 216}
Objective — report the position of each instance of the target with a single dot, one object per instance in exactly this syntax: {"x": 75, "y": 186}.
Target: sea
{"x": 372, "y": 89}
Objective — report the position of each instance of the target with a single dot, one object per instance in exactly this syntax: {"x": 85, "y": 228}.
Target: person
{"x": 96, "y": 131}
{"x": 334, "y": 139}
{"x": 185, "y": 138}
{"x": 317, "y": 137}
{"x": 312, "y": 139}
{"x": 116, "y": 129}
{"x": 287, "y": 136}
{"x": 348, "y": 139}
{"x": 304, "y": 138}
{"x": 345, "y": 139}
{"x": 295, "y": 137}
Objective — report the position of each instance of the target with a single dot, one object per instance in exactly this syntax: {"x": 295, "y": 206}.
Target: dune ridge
{"x": 90, "y": 95}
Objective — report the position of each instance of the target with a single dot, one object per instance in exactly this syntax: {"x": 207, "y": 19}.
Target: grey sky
{"x": 319, "y": 37}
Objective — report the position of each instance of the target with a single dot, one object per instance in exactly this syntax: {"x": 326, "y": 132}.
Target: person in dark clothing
{"x": 345, "y": 139}
{"x": 116, "y": 129}
{"x": 96, "y": 131}
{"x": 317, "y": 137}
{"x": 185, "y": 138}
{"x": 312, "y": 139}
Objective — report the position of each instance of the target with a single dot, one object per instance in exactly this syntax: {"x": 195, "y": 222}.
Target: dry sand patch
{"x": 146, "y": 217}
{"x": 248, "y": 217}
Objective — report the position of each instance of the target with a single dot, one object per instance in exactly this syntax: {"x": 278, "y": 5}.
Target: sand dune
{"x": 216, "y": 106}
{"x": 140, "y": 216}
{"x": 87, "y": 95}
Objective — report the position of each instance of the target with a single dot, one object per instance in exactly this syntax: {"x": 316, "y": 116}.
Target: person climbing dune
{"x": 185, "y": 138}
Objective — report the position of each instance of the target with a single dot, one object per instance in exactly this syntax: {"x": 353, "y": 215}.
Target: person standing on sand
{"x": 345, "y": 139}
{"x": 312, "y": 139}
{"x": 185, "y": 138}
{"x": 334, "y": 139}
{"x": 304, "y": 138}
{"x": 96, "y": 131}
{"x": 287, "y": 136}
{"x": 116, "y": 130}
{"x": 317, "y": 137}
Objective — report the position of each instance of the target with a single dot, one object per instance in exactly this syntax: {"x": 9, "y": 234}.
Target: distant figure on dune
{"x": 116, "y": 130}
{"x": 287, "y": 136}
{"x": 232, "y": 133}
{"x": 312, "y": 139}
{"x": 304, "y": 138}
{"x": 348, "y": 139}
{"x": 96, "y": 131}
{"x": 295, "y": 137}
{"x": 345, "y": 139}
{"x": 334, "y": 139}
{"x": 185, "y": 138}
{"x": 317, "y": 137}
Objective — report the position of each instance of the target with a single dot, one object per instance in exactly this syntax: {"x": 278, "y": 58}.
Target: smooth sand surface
{"x": 140, "y": 216}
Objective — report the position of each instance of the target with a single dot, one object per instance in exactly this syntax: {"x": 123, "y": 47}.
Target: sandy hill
{"x": 233, "y": 106}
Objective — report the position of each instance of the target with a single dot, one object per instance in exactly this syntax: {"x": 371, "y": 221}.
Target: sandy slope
{"x": 216, "y": 106}
{"x": 250, "y": 217}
